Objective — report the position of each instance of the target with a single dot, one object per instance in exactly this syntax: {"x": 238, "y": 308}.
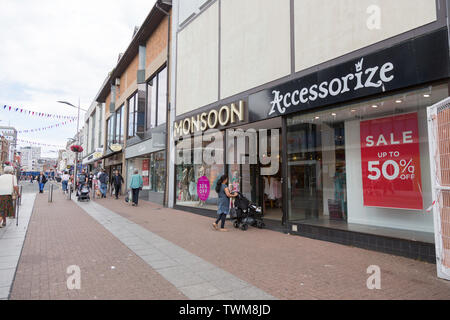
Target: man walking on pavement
{"x": 103, "y": 178}
{"x": 42, "y": 181}
{"x": 117, "y": 180}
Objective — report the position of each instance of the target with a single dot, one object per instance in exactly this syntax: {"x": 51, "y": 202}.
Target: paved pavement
{"x": 193, "y": 276}
{"x": 61, "y": 235}
{"x": 12, "y": 238}
{"x": 150, "y": 252}
{"x": 284, "y": 266}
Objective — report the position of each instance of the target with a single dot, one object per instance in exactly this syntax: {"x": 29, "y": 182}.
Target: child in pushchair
{"x": 83, "y": 192}
{"x": 247, "y": 214}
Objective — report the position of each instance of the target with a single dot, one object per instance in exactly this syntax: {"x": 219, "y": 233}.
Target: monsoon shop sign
{"x": 390, "y": 69}
{"x": 214, "y": 119}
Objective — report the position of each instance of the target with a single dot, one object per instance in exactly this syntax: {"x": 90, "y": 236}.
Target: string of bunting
{"x": 40, "y": 144}
{"x": 35, "y": 114}
{"x": 47, "y": 128}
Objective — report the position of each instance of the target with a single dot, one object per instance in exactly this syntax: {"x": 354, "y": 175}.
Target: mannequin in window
{"x": 192, "y": 184}
{"x": 185, "y": 185}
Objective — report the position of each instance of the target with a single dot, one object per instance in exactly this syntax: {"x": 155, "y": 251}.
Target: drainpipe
{"x": 166, "y": 193}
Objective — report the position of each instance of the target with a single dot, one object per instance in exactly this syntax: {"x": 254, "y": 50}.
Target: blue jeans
{"x": 41, "y": 187}
{"x": 103, "y": 188}
{"x": 64, "y": 185}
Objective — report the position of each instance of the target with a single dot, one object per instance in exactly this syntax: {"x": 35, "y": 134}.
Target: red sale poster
{"x": 390, "y": 159}
{"x": 145, "y": 172}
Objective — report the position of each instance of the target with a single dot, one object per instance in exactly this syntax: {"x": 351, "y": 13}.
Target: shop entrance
{"x": 316, "y": 171}
{"x": 264, "y": 191}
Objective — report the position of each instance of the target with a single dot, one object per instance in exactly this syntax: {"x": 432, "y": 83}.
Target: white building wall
{"x": 255, "y": 44}
{"x": 326, "y": 29}
{"x": 255, "y": 40}
{"x": 198, "y": 62}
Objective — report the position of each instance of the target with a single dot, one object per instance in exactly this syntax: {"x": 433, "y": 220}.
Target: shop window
{"x": 132, "y": 115}
{"x": 110, "y": 130}
{"x": 153, "y": 171}
{"x": 119, "y": 135}
{"x": 188, "y": 174}
{"x": 157, "y": 100}
{"x": 332, "y": 179}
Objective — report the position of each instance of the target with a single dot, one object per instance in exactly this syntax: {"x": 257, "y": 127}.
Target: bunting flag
{"x": 40, "y": 144}
{"x": 34, "y": 113}
{"x": 47, "y": 128}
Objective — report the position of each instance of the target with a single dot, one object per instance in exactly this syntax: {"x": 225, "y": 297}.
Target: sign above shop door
{"x": 396, "y": 67}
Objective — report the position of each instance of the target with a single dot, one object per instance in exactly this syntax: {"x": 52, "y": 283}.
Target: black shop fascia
{"x": 417, "y": 61}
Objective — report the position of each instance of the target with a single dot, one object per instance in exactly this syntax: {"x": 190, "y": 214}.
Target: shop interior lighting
{"x": 427, "y": 95}
{"x": 399, "y": 101}
{"x": 374, "y": 106}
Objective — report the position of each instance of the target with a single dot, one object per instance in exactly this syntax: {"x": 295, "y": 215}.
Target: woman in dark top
{"x": 223, "y": 203}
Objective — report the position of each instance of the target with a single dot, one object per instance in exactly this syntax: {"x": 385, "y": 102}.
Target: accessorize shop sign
{"x": 390, "y": 159}
{"x": 396, "y": 67}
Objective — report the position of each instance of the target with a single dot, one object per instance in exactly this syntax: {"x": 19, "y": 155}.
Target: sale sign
{"x": 390, "y": 159}
{"x": 203, "y": 188}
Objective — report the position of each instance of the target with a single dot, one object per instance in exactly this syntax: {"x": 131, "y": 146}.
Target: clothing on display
{"x": 272, "y": 188}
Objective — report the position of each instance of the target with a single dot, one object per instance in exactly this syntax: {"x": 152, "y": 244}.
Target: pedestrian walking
{"x": 136, "y": 184}
{"x": 117, "y": 180}
{"x": 103, "y": 179}
{"x": 65, "y": 181}
{"x": 8, "y": 191}
{"x": 31, "y": 179}
{"x": 42, "y": 179}
{"x": 223, "y": 202}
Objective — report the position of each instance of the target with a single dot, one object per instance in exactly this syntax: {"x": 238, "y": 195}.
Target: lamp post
{"x": 78, "y": 135}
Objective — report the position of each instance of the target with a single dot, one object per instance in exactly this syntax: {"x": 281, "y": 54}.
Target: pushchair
{"x": 83, "y": 193}
{"x": 247, "y": 214}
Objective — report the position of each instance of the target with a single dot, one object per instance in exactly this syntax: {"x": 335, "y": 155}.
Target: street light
{"x": 78, "y": 135}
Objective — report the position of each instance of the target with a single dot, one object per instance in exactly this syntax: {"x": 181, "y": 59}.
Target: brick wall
{"x": 157, "y": 42}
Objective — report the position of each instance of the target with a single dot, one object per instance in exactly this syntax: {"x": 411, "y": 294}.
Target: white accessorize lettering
{"x": 276, "y": 103}
{"x": 373, "y": 77}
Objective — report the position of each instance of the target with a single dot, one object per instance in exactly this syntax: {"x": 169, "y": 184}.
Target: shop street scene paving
{"x": 220, "y": 158}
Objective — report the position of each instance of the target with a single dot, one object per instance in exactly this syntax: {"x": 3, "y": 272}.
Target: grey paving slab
{"x": 155, "y": 257}
{"x": 8, "y": 264}
{"x": 199, "y": 291}
{"x": 4, "y": 292}
{"x": 11, "y": 243}
{"x": 163, "y": 264}
{"x": 7, "y": 277}
{"x": 219, "y": 297}
{"x": 193, "y": 276}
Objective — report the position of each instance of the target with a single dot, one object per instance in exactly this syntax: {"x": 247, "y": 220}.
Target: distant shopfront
{"x": 354, "y": 164}
{"x": 149, "y": 158}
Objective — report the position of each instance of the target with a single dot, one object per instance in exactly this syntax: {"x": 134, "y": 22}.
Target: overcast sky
{"x": 54, "y": 50}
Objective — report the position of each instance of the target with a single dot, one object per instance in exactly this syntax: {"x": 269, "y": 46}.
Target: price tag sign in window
{"x": 390, "y": 159}
{"x": 203, "y": 188}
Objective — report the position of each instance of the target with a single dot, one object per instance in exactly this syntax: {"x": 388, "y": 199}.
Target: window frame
{"x": 153, "y": 78}
{"x": 133, "y": 97}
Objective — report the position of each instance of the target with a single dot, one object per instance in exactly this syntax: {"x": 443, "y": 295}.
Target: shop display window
{"x": 188, "y": 175}
{"x": 331, "y": 179}
{"x": 153, "y": 170}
